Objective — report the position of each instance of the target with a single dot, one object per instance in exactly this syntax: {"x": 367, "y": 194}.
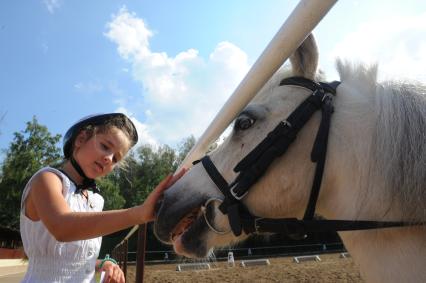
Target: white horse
{"x": 375, "y": 170}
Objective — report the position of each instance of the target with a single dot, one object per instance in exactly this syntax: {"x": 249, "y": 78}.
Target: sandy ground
{"x": 331, "y": 268}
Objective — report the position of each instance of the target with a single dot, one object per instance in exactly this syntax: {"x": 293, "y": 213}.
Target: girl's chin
{"x": 93, "y": 173}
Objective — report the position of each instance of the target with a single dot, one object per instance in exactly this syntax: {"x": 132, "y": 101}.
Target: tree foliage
{"x": 146, "y": 167}
{"x": 110, "y": 191}
{"x": 29, "y": 151}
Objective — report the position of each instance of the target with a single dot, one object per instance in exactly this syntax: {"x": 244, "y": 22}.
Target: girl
{"x": 61, "y": 211}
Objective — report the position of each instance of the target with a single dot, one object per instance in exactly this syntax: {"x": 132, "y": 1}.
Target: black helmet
{"x": 93, "y": 120}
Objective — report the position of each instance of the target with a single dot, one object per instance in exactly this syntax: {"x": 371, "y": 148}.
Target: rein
{"x": 252, "y": 167}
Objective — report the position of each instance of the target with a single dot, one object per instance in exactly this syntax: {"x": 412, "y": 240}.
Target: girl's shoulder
{"x": 46, "y": 181}
{"x": 49, "y": 177}
{"x": 47, "y": 173}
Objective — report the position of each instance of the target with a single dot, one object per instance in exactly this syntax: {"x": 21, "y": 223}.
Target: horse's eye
{"x": 244, "y": 122}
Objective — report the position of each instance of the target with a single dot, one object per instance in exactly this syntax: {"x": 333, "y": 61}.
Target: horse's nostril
{"x": 158, "y": 205}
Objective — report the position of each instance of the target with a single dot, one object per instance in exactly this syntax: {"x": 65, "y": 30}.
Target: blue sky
{"x": 171, "y": 65}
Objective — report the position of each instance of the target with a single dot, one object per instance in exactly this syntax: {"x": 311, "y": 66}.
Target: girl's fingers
{"x": 116, "y": 275}
{"x": 163, "y": 184}
{"x": 177, "y": 176}
{"x": 170, "y": 180}
{"x": 107, "y": 276}
{"x": 166, "y": 183}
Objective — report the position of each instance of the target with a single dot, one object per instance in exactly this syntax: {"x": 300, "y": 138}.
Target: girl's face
{"x": 99, "y": 154}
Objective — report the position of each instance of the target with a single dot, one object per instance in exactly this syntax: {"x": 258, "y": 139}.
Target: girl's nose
{"x": 108, "y": 158}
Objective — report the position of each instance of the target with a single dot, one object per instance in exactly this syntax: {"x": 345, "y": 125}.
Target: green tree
{"x": 29, "y": 151}
{"x": 146, "y": 167}
{"x": 127, "y": 177}
{"x": 155, "y": 165}
{"x": 184, "y": 148}
{"x": 111, "y": 192}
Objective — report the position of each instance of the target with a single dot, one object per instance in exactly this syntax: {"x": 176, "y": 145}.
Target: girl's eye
{"x": 244, "y": 122}
{"x": 104, "y": 146}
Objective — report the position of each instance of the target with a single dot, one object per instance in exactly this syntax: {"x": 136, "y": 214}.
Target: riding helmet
{"x": 92, "y": 120}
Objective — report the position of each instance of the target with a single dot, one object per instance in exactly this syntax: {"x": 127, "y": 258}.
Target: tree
{"x": 29, "y": 151}
{"x": 110, "y": 191}
{"x": 146, "y": 167}
{"x": 184, "y": 148}
{"x": 155, "y": 165}
{"x": 126, "y": 177}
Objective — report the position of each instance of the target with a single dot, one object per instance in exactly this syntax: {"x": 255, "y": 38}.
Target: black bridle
{"x": 276, "y": 143}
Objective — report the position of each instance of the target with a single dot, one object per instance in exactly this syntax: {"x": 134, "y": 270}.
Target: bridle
{"x": 255, "y": 164}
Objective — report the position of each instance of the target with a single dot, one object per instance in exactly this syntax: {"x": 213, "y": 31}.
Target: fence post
{"x": 140, "y": 256}
{"x": 125, "y": 250}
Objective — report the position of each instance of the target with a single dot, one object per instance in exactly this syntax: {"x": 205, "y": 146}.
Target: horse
{"x": 373, "y": 171}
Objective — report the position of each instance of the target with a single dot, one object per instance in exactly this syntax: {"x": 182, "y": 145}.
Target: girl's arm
{"x": 46, "y": 203}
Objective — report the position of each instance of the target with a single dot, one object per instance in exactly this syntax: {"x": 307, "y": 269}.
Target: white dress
{"x": 53, "y": 261}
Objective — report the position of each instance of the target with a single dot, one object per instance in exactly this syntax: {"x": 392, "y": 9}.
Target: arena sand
{"x": 331, "y": 268}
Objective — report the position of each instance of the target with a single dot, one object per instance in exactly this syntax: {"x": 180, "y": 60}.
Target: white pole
{"x": 300, "y": 23}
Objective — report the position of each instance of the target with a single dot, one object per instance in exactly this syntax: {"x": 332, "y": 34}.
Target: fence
{"x": 169, "y": 256}
{"x": 120, "y": 254}
{"x": 142, "y": 257}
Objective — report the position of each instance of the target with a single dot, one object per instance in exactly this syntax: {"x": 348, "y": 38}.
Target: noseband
{"x": 252, "y": 167}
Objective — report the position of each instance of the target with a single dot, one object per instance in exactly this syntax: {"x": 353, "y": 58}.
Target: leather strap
{"x": 255, "y": 164}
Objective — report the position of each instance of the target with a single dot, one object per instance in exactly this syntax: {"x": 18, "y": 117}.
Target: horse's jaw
{"x": 181, "y": 223}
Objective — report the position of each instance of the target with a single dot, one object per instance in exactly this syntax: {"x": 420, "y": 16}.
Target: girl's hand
{"x": 113, "y": 273}
{"x": 148, "y": 207}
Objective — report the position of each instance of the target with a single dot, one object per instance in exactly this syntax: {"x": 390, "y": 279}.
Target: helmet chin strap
{"x": 88, "y": 183}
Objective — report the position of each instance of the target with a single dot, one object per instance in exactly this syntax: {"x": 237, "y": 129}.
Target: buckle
{"x": 318, "y": 91}
{"x": 327, "y": 95}
{"x": 256, "y": 226}
{"x": 286, "y": 123}
{"x": 235, "y": 195}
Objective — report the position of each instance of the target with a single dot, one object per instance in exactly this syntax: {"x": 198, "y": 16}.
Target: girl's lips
{"x": 99, "y": 167}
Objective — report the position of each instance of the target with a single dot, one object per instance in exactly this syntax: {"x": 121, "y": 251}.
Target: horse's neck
{"x": 389, "y": 255}
{"x": 383, "y": 255}
{"x": 350, "y": 193}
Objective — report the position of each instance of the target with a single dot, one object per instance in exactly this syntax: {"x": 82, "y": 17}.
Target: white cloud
{"x": 397, "y": 44}
{"x": 88, "y": 87}
{"x": 51, "y": 5}
{"x": 181, "y": 94}
{"x": 130, "y": 33}
{"x": 144, "y": 135}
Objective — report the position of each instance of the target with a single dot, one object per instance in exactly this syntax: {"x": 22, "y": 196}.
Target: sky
{"x": 171, "y": 65}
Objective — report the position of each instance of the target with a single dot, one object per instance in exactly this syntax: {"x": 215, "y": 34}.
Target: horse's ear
{"x": 304, "y": 61}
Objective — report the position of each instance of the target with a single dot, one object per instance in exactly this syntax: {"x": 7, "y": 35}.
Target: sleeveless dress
{"x": 50, "y": 260}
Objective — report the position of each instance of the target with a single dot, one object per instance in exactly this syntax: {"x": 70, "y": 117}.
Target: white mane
{"x": 397, "y": 157}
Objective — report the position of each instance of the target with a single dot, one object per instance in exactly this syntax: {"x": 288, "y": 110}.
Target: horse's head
{"x": 282, "y": 191}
